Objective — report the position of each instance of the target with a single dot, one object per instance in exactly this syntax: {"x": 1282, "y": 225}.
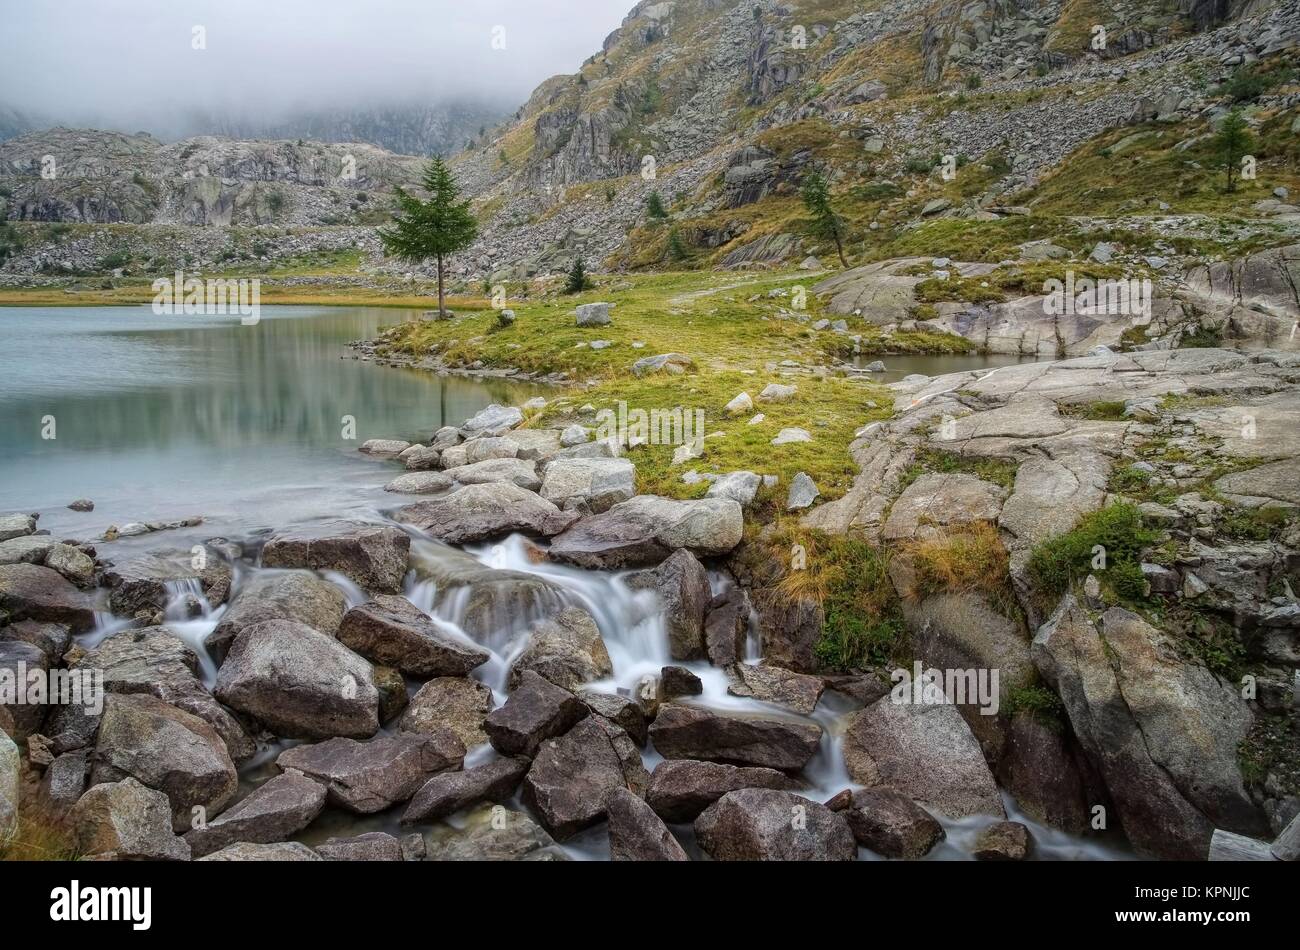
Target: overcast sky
{"x": 133, "y": 61}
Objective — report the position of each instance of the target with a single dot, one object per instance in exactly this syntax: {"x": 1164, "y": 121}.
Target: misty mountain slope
{"x": 735, "y": 101}
{"x": 109, "y": 177}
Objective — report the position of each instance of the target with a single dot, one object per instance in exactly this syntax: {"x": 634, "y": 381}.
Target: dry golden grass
{"x": 970, "y": 559}
{"x": 40, "y": 836}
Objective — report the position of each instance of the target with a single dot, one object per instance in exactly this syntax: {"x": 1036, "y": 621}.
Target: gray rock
{"x": 688, "y": 732}
{"x": 891, "y": 824}
{"x": 1162, "y": 732}
{"x": 16, "y": 526}
{"x": 926, "y": 752}
{"x": 64, "y": 781}
{"x": 32, "y": 592}
{"x": 371, "y": 846}
{"x": 588, "y": 485}
{"x": 571, "y": 777}
{"x": 155, "y": 661}
{"x": 515, "y": 471}
{"x": 483, "y": 512}
{"x": 623, "y": 712}
{"x": 738, "y": 486}
{"x": 421, "y": 458}
{"x": 277, "y": 809}
{"x": 1003, "y": 841}
{"x": 10, "y": 778}
{"x": 492, "y": 833}
{"x": 682, "y": 585}
{"x": 647, "y": 528}
{"x": 757, "y": 824}
{"x": 803, "y": 492}
{"x": 450, "y": 702}
{"x": 299, "y": 683}
{"x": 677, "y": 681}
{"x": 72, "y": 564}
{"x": 636, "y": 833}
{"x": 279, "y": 595}
{"x": 773, "y": 684}
{"x": 672, "y": 363}
{"x": 374, "y": 556}
{"x": 18, "y": 661}
{"x": 420, "y": 483}
{"x": 366, "y": 777}
{"x": 125, "y": 821}
{"x": 681, "y": 789}
{"x": 391, "y": 631}
{"x": 489, "y": 448}
{"x": 592, "y": 314}
{"x": 573, "y": 435}
{"x": 537, "y": 710}
{"x": 777, "y": 392}
{"x": 167, "y": 749}
{"x": 491, "y": 421}
{"x": 277, "y": 851}
{"x": 146, "y": 583}
{"x": 791, "y": 435}
{"x": 384, "y": 448}
{"x": 567, "y": 650}
{"x": 450, "y": 792}
{"x": 726, "y": 627}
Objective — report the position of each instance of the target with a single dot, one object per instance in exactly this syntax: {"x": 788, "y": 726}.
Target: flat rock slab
{"x": 689, "y": 732}
{"x": 773, "y": 684}
{"x": 483, "y": 512}
{"x": 374, "y": 556}
{"x": 646, "y": 529}
{"x": 926, "y": 752}
{"x": 367, "y": 777}
{"x": 391, "y": 631}
{"x": 936, "y": 501}
{"x": 515, "y": 471}
{"x": 493, "y": 833}
{"x": 277, "y": 851}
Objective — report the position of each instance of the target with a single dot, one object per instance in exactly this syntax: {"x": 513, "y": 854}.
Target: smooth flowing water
{"x": 159, "y": 418}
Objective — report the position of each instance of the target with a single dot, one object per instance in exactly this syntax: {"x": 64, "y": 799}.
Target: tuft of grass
{"x": 1102, "y": 411}
{"x": 1119, "y": 533}
{"x": 969, "y": 559}
{"x": 1036, "y": 701}
{"x": 998, "y": 471}
{"x": 39, "y": 836}
{"x": 850, "y": 579}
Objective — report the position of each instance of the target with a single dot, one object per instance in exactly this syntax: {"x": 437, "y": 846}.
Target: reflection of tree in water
{"x": 281, "y": 381}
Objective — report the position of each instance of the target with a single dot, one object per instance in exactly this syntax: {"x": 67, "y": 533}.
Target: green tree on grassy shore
{"x": 435, "y": 228}
{"x": 816, "y": 194}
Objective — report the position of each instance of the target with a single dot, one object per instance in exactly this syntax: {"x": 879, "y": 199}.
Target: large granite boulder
{"x": 681, "y": 789}
{"x": 483, "y": 512}
{"x": 647, "y": 529}
{"x": 125, "y": 821}
{"x": 33, "y": 592}
{"x": 299, "y": 683}
{"x": 279, "y": 595}
{"x": 689, "y": 732}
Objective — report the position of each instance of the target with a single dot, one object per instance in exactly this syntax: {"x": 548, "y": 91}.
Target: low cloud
{"x": 156, "y": 64}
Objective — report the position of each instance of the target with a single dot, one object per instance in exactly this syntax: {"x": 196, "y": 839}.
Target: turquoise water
{"x": 165, "y": 417}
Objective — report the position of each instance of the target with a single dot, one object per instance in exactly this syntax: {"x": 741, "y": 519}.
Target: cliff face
{"x": 726, "y": 102}
{"x": 84, "y": 176}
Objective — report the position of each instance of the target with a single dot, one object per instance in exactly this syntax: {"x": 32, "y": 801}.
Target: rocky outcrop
{"x": 1162, "y": 732}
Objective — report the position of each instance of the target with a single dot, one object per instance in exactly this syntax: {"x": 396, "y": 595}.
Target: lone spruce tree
{"x": 435, "y": 228}
{"x": 577, "y": 281}
{"x": 1232, "y": 142}
{"x": 816, "y": 194}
